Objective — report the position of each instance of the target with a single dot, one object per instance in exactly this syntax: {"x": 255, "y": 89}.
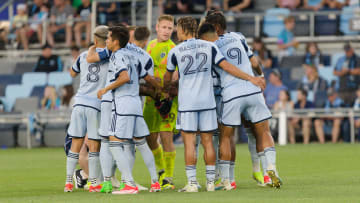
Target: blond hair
{"x": 165, "y": 17}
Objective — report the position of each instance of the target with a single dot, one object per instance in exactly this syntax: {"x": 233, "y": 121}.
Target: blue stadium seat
{"x": 59, "y": 79}
{"x": 291, "y": 84}
{"x": 34, "y": 79}
{"x": 24, "y": 67}
{"x": 335, "y": 58}
{"x": 38, "y": 91}
{"x": 302, "y": 25}
{"x": 285, "y": 73}
{"x": 326, "y": 60}
{"x": 12, "y": 92}
{"x": 326, "y": 25}
{"x": 10, "y": 79}
{"x": 327, "y": 73}
{"x": 293, "y": 95}
{"x": 274, "y": 21}
{"x": 346, "y": 15}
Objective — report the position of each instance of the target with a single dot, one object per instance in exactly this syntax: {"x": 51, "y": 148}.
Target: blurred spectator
{"x": 238, "y": 5}
{"x": 303, "y": 123}
{"x": 334, "y": 4}
{"x": 274, "y": 87}
{"x": 20, "y": 26}
{"x": 107, "y": 13}
{"x": 333, "y": 102}
{"x": 48, "y": 62}
{"x": 183, "y": 6}
{"x": 2, "y": 107}
{"x": 284, "y": 103}
{"x": 34, "y": 7}
{"x": 290, "y": 4}
{"x": 75, "y": 52}
{"x": 60, "y": 19}
{"x": 312, "y": 81}
{"x": 67, "y": 97}
{"x": 50, "y": 100}
{"x": 314, "y": 5}
{"x": 313, "y": 55}
{"x": 37, "y": 20}
{"x": 348, "y": 69}
{"x": 357, "y": 107}
{"x": 262, "y": 52}
{"x": 83, "y": 15}
{"x": 286, "y": 41}
{"x": 352, "y": 2}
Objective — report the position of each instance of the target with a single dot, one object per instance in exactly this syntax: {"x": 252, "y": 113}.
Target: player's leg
{"x": 76, "y": 131}
{"x": 306, "y": 127}
{"x": 94, "y": 140}
{"x": 335, "y": 130}
{"x": 169, "y": 159}
{"x": 81, "y": 175}
{"x": 232, "y": 162}
{"x": 256, "y": 158}
{"x": 141, "y": 131}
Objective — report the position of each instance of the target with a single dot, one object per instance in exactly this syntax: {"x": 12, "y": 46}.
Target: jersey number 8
{"x": 93, "y": 75}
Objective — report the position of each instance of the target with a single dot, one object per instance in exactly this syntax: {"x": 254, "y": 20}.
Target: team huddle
{"x": 204, "y": 87}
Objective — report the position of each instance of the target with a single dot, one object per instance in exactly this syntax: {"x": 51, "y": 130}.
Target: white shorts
{"x": 252, "y": 107}
{"x": 106, "y": 108}
{"x": 84, "y": 120}
{"x": 128, "y": 127}
{"x": 203, "y": 121}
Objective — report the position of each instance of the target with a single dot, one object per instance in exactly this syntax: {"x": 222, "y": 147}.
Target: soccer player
{"x": 159, "y": 125}
{"x": 86, "y": 113}
{"x": 194, "y": 59}
{"x": 127, "y": 120}
{"x": 249, "y": 102}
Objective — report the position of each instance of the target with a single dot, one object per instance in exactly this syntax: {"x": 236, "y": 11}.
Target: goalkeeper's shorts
{"x": 157, "y": 123}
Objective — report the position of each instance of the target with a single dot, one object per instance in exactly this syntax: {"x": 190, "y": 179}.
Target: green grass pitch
{"x": 311, "y": 173}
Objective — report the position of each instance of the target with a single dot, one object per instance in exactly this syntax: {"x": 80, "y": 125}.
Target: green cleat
{"x": 106, "y": 187}
{"x": 122, "y": 185}
{"x": 167, "y": 184}
{"x": 259, "y": 178}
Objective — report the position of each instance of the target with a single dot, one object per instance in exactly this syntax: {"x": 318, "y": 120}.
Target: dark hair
{"x": 69, "y": 94}
{"x": 188, "y": 24}
{"x": 212, "y": 11}
{"x": 287, "y": 94}
{"x": 121, "y": 34}
{"x": 263, "y": 48}
{"x": 217, "y": 19}
{"x": 206, "y": 28}
{"x": 303, "y": 91}
{"x": 75, "y": 48}
{"x": 141, "y": 33}
{"x": 46, "y": 46}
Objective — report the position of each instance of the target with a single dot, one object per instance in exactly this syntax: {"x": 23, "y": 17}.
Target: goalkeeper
{"x": 160, "y": 110}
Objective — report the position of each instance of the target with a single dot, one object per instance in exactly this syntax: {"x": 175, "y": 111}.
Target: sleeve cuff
{"x": 170, "y": 70}
{"x": 222, "y": 59}
{"x": 144, "y": 75}
{"x": 76, "y": 71}
{"x": 251, "y": 56}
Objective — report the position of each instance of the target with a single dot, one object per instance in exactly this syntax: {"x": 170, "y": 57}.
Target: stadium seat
{"x": 346, "y": 15}
{"x": 58, "y": 79}
{"x": 7, "y": 67}
{"x": 292, "y": 61}
{"x": 326, "y": 60}
{"x": 335, "y": 57}
{"x": 291, "y": 84}
{"x": 10, "y": 79}
{"x": 7, "y": 138}
{"x": 326, "y": 25}
{"x": 327, "y": 73}
{"x": 2, "y": 90}
{"x": 34, "y": 79}
{"x": 21, "y": 138}
{"x": 273, "y": 21}
{"x": 38, "y": 91}
{"x": 246, "y": 25}
{"x": 302, "y": 25}
{"x": 12, "y": 92}
{"x": 297, "y": 73}
{"x": 24, "y": 67}
{"x": 26, "y": 105}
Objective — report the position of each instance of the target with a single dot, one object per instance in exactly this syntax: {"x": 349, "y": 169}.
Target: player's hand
{"x": 258, "y": 81}
{"x": 101, "y": 92}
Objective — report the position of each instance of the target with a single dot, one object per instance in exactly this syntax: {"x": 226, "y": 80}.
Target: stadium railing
{"x": 63, "y": 117}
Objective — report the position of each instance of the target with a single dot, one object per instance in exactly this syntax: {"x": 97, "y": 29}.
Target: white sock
{"x": 71, "y": 161}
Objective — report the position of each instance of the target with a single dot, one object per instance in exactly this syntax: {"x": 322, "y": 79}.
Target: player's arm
{"x": 121, "y": 80}
{"x": 171, "y": 67}
{"x": 153, "y": 82}
{"x": 75, "y": 69}
{"x": 256, "y": 65}
{"x": 93, "y": 56}
{"x": 234, "y": 71}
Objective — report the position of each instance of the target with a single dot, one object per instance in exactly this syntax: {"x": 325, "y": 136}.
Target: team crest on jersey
{"x": 162, "y": 55}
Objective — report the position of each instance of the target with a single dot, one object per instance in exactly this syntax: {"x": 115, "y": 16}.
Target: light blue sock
{"x": 106, "y": 160}
{"x": 122, "y": 162}
{"x": 71, "y": 161}
{"x": 148, "y": 157}
{"x": 191, "y": 173}
{"x": 210, "y": 173}
{"x": 270, "y": 154}
{"x": 224, "y": 167}
{"x": 255, "y": 159}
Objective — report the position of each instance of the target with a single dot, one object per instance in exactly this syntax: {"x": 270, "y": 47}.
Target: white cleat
{"x": 224, "y": 185}
{"x": 210, "y": 186}
{"x": 141, "y": 188}
{"x": 190, "y": 187}
{"x": 115, "y": 182}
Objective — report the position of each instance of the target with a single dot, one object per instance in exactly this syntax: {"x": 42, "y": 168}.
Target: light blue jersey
{"x": 195, "y": 58}
{"x": 92, "y": 79}
{"x": 144, "y": 58}
{"x": 236, "y": 51}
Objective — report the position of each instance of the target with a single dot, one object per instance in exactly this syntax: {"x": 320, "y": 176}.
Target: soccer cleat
{"x": 87, "y": 186}
{"x": 258, "y": 177}
{"x": 115, "y": 182}
{"x": 161, "y": 175}
{"x": 276, "y": 181}
{"x": 79, "y": 181}
{"x": 126, "y": 190}
{"x": 190, "y": 187}
{"x": 141, "y": 188}
{"x": 155, "y": 187}
{"x": 167, "y": 184}
{"x": 68, "y": 187}
{"x": 96, "y": 188}
{"x": 224, "y": 185}
{"x": 210, "y": 186}
{"x": 198, "y": 185}
{"x": 106, "y": 187}
{"x": 233, "y": 185}
{"x": 267, "y": 181}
